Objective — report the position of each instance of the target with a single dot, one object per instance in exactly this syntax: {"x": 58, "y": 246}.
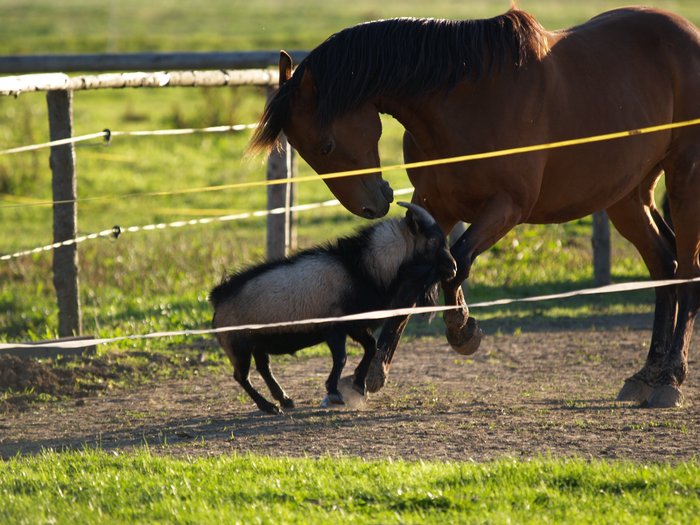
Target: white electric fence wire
{"x": 116, "y": 231}
{"x": 108, "y": 134}
{"x": 374, "y": 315}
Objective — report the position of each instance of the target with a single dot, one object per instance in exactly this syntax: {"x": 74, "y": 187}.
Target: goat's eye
{"x": 328, "y": 147}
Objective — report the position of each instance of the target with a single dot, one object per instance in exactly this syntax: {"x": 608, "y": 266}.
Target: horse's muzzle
{"x": 387, "y": 191}
{"x": 369, "y": 213}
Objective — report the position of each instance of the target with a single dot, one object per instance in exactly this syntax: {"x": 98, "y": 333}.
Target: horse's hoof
{"x": 455, "y": 319}
{"x": 376, "y": 376}
{"x": 665, "y": 396}
{"x": 287, "y": 403}
{"x": 331, "y": 400}
{"x": 634, "y": 390}
{"x": 466, "y": 339}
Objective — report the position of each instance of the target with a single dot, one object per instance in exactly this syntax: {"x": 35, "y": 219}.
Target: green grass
{"x": 93, "y": 486}
{"x": 42, "y": 26}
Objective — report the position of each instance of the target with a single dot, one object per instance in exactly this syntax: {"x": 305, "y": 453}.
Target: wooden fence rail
{"x": 16, "y": 85}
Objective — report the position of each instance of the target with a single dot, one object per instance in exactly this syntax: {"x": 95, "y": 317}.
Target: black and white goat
{"x": 392, "y": 264}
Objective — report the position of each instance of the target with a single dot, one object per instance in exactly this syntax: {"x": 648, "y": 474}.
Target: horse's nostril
{"x": 368, "y": 213}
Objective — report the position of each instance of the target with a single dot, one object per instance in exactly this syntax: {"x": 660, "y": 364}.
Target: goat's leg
{"x": 336, "y": 342}
{"x": 262, "y": 363}
{"x": 241, "y": 372}
{"x": 369, "y": 343}
{"x": 416, "y": 281}
{"x": 387, "y": 343}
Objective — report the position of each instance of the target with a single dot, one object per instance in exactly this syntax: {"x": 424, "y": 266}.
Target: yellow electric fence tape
{"x": 421, "y": 164}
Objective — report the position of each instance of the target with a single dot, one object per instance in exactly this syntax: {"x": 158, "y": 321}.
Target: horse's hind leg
{"x": 683, "y": 181}
{"x": 637, "y": 220}
{"x": 262, "y": 363}
{"x": 667, "y": 390}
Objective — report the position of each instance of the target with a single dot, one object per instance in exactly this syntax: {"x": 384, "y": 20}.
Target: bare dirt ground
{"x": 548, "y": 389}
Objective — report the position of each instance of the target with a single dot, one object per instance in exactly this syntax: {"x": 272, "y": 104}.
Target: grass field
{"x": 91, "y": 487}
{"x": 159, "y": 280}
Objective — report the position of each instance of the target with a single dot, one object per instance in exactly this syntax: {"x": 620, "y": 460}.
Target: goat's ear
{"x": 285, "y": 67}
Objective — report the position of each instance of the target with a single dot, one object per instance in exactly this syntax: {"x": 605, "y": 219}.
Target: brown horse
{"x": 462, "y": 87}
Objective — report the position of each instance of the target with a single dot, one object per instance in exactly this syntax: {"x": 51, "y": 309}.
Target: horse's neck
{"x": 413, "y": 114}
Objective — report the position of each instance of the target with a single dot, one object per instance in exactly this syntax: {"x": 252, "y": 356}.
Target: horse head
{"x": 349, "y": 142}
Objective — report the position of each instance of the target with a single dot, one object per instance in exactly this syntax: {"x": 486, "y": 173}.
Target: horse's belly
{"x": 549, "y": 187}
{"x": 589, "y": 178}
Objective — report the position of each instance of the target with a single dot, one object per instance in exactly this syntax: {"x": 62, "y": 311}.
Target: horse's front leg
{"x": 497, "y": 218}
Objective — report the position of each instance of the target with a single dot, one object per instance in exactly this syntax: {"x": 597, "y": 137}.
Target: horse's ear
{"x": 285, "y": 67}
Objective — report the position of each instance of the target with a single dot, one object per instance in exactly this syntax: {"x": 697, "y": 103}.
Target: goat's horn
{"x": 426, "y": 220}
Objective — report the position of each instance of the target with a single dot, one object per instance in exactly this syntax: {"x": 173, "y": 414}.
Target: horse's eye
{"x": 328, "y": 147}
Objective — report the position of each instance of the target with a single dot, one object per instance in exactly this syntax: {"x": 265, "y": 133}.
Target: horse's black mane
{"x": 404, "y": 57}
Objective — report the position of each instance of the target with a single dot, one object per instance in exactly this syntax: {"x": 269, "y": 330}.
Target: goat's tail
{"x": 218, "y": 294}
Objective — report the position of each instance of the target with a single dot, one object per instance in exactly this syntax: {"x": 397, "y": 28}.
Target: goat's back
{"x": 309, "y": 285}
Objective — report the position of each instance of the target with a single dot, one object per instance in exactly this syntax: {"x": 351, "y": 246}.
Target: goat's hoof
{"x": 360, "y": 389}
{"x": 665, "y": 396}
{"x": 465, "y": 339}
{"x": 336, "y": 399}
{"x": 270, "y": 408}
{"x": 287, "y": 403}
{"x": 332, "y": 399}
{"x": 634, "y": 390}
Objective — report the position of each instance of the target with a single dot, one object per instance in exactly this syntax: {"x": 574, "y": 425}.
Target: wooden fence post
{"x": 281, "y": 231}
{"x": 601, "y": 249}
{"x": 65, "y": 258}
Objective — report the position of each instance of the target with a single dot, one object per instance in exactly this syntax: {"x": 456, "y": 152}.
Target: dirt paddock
{"x": 547, "y": 389}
